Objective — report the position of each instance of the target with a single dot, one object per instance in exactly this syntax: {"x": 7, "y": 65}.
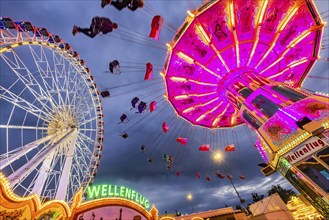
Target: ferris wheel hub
{"x": 63, "y": 121}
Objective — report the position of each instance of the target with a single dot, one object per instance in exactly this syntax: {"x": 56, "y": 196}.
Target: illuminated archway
{"x": 105, "y": 202}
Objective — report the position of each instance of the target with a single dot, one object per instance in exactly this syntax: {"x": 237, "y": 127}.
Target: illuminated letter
{"x": 321, "y": 142}
{"x": 104, "y": 193}
{"x": 133, "y": 194}
{"x": 141, "y": 200}
{"x": 136, "y": 198}
{"x": 146, "y": 204}
{"x": 122, "y": 191}
{"x": 110, "y": 190}
{"x": 93, "y": 192}
{"x": 115, "y": 191}
{"x": 127, "y": 194}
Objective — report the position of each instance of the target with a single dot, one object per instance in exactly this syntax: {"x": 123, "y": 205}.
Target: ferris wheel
{"x": 51, "y": 121}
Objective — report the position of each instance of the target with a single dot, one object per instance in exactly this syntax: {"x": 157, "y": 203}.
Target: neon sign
{"x": 105, "y": 190}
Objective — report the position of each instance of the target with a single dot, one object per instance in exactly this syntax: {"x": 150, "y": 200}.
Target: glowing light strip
{"x": 291, "y": 45}
{"x": 233, "y": 119}
{"x": 200, "y": 105}
{"x": 293, "y": 64}
{"x": 204, "y": 36}
{"x": 254, "y": 46}
{"x": 220, "y": 58}
{"x": 259, "y": 21}
{"x": 208, "y": 70}
{"x": 262, "y": 12}
{"x": 268, "y": 50}
{"x": 300, "y": 38}
{"x": 192, "y": 61}
{"x": 181, "y": 79}
{"x": 185, "y": 57}
{"x": 254, "y": 81}
{"x": 270, "y": 66}
{"x": 285, "y": 22}
{"x": 213, "y": 47}
{"x": 190, "y": 14}
{"x": 215, "y": 122}
{"x": 237, "y": 51}
{"x": 232, "y": 19}
{"x": 299, "y": 62}
{"x": 204, "y": 115}
{"x": 179, "y": 97}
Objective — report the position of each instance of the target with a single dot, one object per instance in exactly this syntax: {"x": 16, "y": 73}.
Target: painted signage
{"x": 102, "y": 191}
{"x": 309, "y": 147}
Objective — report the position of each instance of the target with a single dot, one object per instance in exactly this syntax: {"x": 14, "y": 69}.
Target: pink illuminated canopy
{"x": 222, "y": 40}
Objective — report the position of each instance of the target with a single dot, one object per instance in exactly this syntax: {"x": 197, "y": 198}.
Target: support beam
{"x": 23, "y": 151}
{"x": 67, "y": 168}
{"x": 20, "y": 174}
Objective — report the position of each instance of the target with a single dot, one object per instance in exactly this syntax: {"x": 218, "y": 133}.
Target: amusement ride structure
{"x": 51, "y": 114}
{"x": 234, "y": 62}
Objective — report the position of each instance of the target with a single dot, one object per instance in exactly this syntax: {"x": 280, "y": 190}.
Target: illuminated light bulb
{"x": 179, "y": 97}
{"x": 200, "y": 118}
{"x": 300, "y": 38}
{"x": 261, "y": 17}
{"x": 178, "y": 79}
{"x": 185, "y": 57}
{"x": 232, "y": 14}
{"x": 188, "y": 109}
{"x": 190, "y": 14}
{"x": 285, "y": 22}
{"x": 205, "y": 37}
{"x": 217, "y": 156}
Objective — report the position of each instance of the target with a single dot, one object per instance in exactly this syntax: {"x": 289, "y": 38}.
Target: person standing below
{"x": 120, "y": 4}
{"x": 98, "y": 25}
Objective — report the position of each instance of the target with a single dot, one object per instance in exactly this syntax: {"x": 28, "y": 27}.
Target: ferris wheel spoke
{"x": 88, "y": 129}
{"x": 43, "y": 174}
{"x": 22, "y": 127}
{"x": 23, "y": 104}
{"x": 67, "y": 168}
{"x": 47, "y": 72}
{"x": 84, "y": 137}
{"x": 10, "y": 157}
{"x": 84, "y": 148}
{"x": 20, "y": 174}
{"x": 78, "y": 99}
{"x": 30, "y": 82}
{"x": 88, "y": 121}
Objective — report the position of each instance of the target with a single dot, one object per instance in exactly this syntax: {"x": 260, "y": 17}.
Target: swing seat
{"x": 153, "y": 106}
{"x": 149, "y": 71}
{"x": 25, "y": 26}
{"x": 156, "y": 27}
{"x": 105, "y": 94}
{"x": 7, "y": 23}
